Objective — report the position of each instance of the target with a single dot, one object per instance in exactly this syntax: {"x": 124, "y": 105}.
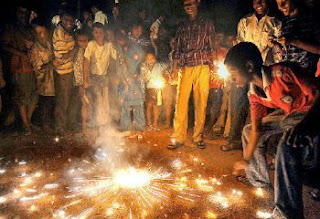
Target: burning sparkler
{"x": 223, "y": 72}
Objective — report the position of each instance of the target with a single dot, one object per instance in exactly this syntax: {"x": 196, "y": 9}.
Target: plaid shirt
{"x": 301, "y": 26}
{"x": 283, "y": 89}
{"x": 195, "y": 42}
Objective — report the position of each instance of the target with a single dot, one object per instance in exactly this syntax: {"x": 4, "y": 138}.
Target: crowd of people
{"x": 138, "y": 75}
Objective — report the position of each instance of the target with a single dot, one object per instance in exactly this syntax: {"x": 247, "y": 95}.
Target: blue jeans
{"x": 139, "y": 120}
{"x": 289, "y": 178}
{"x": 273, "y": 124}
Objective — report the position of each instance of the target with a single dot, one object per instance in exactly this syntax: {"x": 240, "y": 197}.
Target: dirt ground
{"x": 52, "y": 156}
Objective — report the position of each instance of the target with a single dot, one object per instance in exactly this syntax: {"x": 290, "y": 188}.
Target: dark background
{"x": 226, "y": 13}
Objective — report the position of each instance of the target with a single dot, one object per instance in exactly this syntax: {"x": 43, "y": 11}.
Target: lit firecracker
{"x": 100, "y": 186}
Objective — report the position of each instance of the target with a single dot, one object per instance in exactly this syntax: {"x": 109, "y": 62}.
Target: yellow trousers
{"x": 196, "y": 78}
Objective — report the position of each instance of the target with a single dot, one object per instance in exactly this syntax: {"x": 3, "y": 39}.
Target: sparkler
{"x": 223, "y": 72}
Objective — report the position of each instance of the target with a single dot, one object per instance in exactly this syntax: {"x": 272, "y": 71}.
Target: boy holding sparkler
{"x": 152, "y": 74}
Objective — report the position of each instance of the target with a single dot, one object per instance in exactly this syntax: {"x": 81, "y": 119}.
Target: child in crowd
{"x": 130, "y": 88}
{"x": 82, "y": 42}
{"x": 97, "y": 58}
{"x": 152, "y": 74}
{"x": 170, "y": 88}
{"x": 41, "y": 56}
{"x": 135, "y": 36}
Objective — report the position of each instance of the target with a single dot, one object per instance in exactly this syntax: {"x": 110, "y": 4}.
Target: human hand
{"x": 297, "y": 138}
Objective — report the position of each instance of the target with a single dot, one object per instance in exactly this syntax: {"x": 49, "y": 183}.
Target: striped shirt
{"x": 63, "y": 43}
{"x": 195, "y": 42}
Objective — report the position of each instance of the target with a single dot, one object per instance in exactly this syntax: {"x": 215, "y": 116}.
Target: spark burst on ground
{"x": 98, "y": 186}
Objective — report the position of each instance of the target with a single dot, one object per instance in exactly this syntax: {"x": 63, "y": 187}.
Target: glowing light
{"x": 210, "y": 214}
{"x": 159, "y": 84}
{"x": 259, "y": 192}
{"x": 2, "y": 171}
{"x": 22, "y": 162}
{"x": 222, "y": 71}
{"x": 33, "y": 208}
{"x": 51, "y": 186}
{"x": 237, "y": 193}
{"x": 263, "y": 214}
{"x": 132, "y": 178}
{"x": 3, "y": 200}
{"x": 56, "y": 139}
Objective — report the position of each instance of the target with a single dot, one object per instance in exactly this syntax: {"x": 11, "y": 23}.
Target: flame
{"x": 132, "y": 178}
{"x": 223, "y": 72}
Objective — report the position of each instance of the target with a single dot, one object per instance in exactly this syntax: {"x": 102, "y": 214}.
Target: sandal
{"x": 200, "y": 144}
{"x": 315, "y": 194}
{"x": 174, "y": 145}
{"x": 230, "y": 147}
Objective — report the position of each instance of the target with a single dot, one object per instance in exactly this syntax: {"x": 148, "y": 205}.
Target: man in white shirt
{"x": 99, "y": 16}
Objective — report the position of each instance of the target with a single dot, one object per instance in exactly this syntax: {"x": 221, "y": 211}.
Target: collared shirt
{"x": 283, "y": 89}
{"x": 152, "y": 77}
{"x": 195, "y": 42}
{"x": 101, "y": 18}
{"x": 301, "y": 26}
{"x": 41, "y": 60}
{"x": 250, "y": 29}
{"x": 99, "y": 57}
{"x": 63, "y": 43}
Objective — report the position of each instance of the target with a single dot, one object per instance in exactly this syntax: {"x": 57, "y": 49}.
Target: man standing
{"x": 63, "y": 48}
{"x": 99, "y": 16}
{"x": 194, "y": 54}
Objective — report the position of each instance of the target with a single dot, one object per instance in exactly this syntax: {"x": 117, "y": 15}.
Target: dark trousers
{"x": 213, "y": 106}
{"x": 47, "y": 108}
{"x": 239, "y": 111}
{"x": 67, "y": 102}
{"x": 289, "y": 176}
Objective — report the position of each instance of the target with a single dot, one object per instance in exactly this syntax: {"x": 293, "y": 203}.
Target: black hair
{"x": 39, "y": 21}
{"x": 68, "y": 11}
{"x": 81, "y": 32}
{"x": 98, "y": 25}
{"x": 240, "y": 54}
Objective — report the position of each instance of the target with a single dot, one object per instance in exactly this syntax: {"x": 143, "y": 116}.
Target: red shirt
{"x": 283, "y": 89}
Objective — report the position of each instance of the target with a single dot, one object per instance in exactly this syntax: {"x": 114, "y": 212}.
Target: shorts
{"x": 25, "y": 89}
{"x": 151, "y": 95}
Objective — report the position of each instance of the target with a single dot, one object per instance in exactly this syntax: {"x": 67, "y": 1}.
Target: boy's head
{"x": 98, "y": 31}
{"x": 109, "y": 35}
{"x": 22, "y": 14}
{"x": 244, "y": 61}
{"x": 95, "y": 8}
{"x": 82, "y": 39}
{"x": 230, "y": 39}
{"x": 142, "y": 13}
{"x": 121, "y": 39}
{"x": 86, "y": 15}
{"x": 219, "y": 38}
{"x": 260, "y": 6}
{"x": 150, "y": 59}
{"x": 191, "y": 7}
{"x": 288, "y": 7}
{"x": 136, "y": 30}
{"x": 40, "y": 30}
{"x": 67, "y": 20}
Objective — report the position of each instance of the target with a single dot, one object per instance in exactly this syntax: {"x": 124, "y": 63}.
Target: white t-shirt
{"x": 101, "y": 18}
{"x": 99, "y": 57}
